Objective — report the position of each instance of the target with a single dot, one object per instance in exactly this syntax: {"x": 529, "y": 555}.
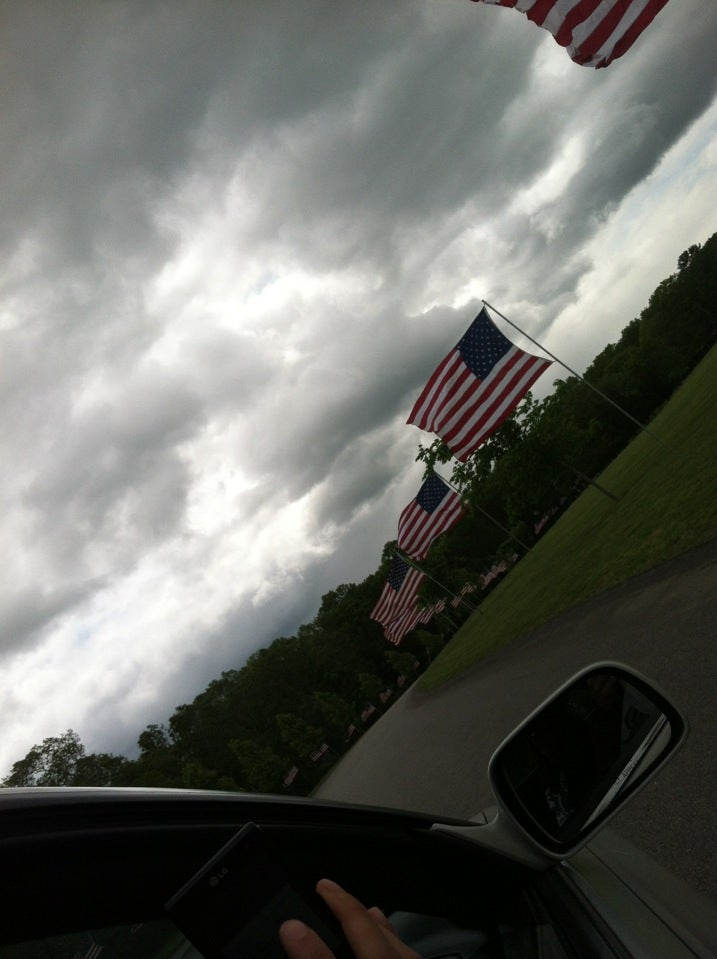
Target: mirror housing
{"x": 578, "y": 758}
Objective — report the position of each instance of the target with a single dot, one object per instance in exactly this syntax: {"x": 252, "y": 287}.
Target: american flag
{"x": 291, "y": 775}
{"x": 426, "y": 614}
{"x": 318, "y": 753}
{"x": 399, "y": 592}
{"x": 408, "y": 620}
{"x": 594, "y": 32}
{"x": 368, "y": 711}
{"x": 435, "y": 508}
{"x": 403, "y": 624}
{"x": 92, "y": 953}
{"x": 496, "y": 570}
{"x": 475, "y": 387}
{"x": 464, "y": 590}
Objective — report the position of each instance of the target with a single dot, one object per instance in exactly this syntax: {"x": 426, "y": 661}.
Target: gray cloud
{"x": 335, "y": 402}
{"x": 115, "y": 471}
{"x": 27, "y": 613}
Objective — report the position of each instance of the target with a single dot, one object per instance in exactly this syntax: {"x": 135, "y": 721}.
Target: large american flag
{"x": 475, "y": 387}
{"x": 594, "y": 32}
{"x": 435, "y": 508}
{"x": 399, "y": 592}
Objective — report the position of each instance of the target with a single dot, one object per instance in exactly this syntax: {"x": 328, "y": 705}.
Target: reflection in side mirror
{"x": 575, "y": 761}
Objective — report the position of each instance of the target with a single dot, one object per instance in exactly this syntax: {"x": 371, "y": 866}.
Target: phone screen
{"x": 233, "y": 907}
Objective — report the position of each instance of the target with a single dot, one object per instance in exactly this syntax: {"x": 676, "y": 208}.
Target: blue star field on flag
{"x": 482, "y": 345}
{"x": 432, "y": 493}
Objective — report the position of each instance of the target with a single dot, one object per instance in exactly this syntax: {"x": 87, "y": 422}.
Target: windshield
{"x": 357, "y": 389}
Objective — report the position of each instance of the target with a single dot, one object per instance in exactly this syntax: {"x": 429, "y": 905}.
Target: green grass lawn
{"x": 667, "y": 505}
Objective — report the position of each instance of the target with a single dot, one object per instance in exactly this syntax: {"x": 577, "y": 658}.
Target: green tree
{"x": 400, "y": 662}
{"x": 262, "y": 768}
{"x": 159, "y": 763}
{"x": 370, "y": 686}
{"x": 196, "y": 776}
{"x": 298, "y": 735}
{"x": 432, "y": 643}
{"x": 154, "y": 739}
{"x": 52, "y": 763}
{"x": 336, "y": 714}
{"x": 102, "y": 769}
{"x": 687, "y": 256}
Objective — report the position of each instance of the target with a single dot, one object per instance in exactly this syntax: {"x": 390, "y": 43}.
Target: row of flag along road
{"x": 470, "y": 393}
{"x": 485, "y": 376}
{"x": 482, "y": 380}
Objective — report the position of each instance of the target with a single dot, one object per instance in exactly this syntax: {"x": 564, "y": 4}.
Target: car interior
{"x": 91, "y": 877}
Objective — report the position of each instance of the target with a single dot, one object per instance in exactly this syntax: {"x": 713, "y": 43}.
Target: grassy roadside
{"x": 667, "y": 505}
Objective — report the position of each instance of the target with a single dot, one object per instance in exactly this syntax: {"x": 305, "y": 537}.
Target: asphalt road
{"x": 430, "y": 752}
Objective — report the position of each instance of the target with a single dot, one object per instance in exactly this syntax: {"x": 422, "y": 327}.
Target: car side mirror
{"x": 575, "y": 761}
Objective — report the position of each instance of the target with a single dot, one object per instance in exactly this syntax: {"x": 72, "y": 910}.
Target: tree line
{"x": 278, "y": 722}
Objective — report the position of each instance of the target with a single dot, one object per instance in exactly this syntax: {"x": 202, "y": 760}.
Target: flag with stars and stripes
{"x": 434, "y": 510}
{"x": 406, "y": 621}
{"x": 399, "y": 592}
{"x": 402, "y": 624}
{"x": 593, "y": 32}
{"x": 475, "y": 387}
{"x": 460, "y": 596}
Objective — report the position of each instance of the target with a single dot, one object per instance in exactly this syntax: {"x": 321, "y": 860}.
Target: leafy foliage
{"x": 61, "y": 760}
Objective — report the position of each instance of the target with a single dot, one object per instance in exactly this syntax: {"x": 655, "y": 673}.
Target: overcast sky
{"x": 236, "y": 240}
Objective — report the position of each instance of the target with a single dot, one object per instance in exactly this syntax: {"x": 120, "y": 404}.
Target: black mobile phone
{"x": 233, "y": 907}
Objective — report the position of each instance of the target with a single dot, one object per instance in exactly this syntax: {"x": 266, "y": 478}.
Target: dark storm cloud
{"x": 636, "y": 127}
{"x": 123, "y": 102}
{"x": 410, "y": 145}
{"x": 330, "y": 401}
{"x": 383, "y": 112}
{"x": 360, "y": 476}
{"x": 351, "y": 448}
{"x": 116, "y": 475}
{"x": 430, "y": 146}
{"x": 108, "y": 102}
{"x": 97, "y": 445}
{"x": 28, "y": 612}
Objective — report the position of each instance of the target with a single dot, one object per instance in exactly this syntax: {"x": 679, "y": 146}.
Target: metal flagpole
{"x": 487, "y": 515}
{"x": 448, "y": 618}
{"x": 592, "y": 482}
{"x": 582, "y": 379}
{"x": 407, "y": 559}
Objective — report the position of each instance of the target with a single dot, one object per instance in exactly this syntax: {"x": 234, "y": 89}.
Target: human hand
{"x": 369, "y": 933}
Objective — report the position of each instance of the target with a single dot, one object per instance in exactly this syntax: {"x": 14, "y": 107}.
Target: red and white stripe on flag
{"x": 402, "y": 624}
{"x": 434, "y": 510}
{"x": 395, "y": 598}
{"x": 475, "y": 387}
{"x": 408, "y": 620}
{"x": 426, "y": 614}
{"x": 593, "y": 32}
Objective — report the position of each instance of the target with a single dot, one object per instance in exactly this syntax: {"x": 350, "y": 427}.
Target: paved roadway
{"x": 429, "y": 752}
